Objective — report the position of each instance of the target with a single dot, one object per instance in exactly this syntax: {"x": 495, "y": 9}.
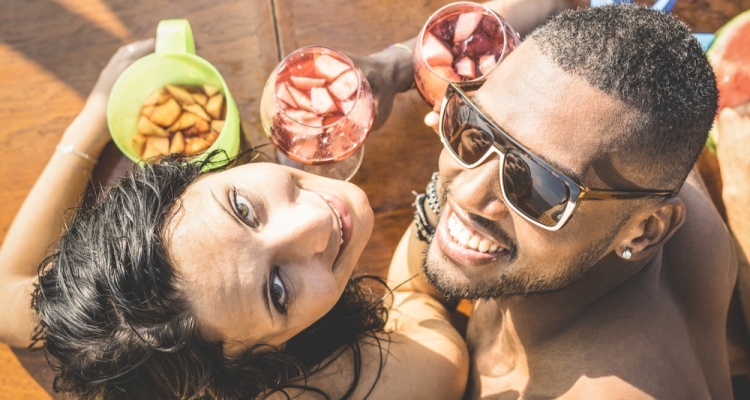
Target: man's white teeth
{"x": 341, "y": 224}
{"x": 470, "y": 239}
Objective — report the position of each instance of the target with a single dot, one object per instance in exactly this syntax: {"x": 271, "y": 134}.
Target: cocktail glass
{"x": 460, "y": 42}
{"x": 317, "y": 108}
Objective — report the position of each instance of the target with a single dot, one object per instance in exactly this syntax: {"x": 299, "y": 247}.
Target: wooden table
{"x": 52, "y": 51}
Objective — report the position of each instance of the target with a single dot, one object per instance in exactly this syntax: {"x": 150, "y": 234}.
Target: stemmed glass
{"x": 317, "y": 108}
{"x": 462, "y": 41}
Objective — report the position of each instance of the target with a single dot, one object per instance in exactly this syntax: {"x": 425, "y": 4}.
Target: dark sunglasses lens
{"x": 468, "y": 137}
{"x": 534, "y": 190}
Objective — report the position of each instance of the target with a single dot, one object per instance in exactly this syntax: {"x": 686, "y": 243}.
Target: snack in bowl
{"x": 179, "y": 119}
{"x": 164, "y": 85}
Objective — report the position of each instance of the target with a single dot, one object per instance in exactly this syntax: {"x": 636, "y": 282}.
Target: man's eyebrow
{"x": 565, "y": 170}
{"x": 223, "y": 208}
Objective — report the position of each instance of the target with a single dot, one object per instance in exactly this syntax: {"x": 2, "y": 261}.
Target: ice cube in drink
{"x": 319, "y": 109}
{"x": 460, "y": 42}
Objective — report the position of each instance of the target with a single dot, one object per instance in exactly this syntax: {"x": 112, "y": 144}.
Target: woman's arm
{"x": 41, "y": 219}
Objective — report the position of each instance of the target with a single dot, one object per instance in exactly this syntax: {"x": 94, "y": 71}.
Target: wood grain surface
{"x": 52, "y": 51}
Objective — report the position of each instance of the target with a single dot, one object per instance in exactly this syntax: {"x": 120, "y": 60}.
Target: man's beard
{"x": 508, "y": 282}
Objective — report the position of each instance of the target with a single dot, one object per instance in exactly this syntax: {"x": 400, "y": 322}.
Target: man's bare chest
{"x": 578, "y": 363}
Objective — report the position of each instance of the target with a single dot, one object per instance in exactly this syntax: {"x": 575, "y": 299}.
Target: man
{"x": 615, "y": 293}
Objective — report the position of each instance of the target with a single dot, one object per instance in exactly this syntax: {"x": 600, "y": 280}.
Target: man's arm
{"x": 405, "y": 273}
{"x": 525, "y": 15}
{"x": 39, "y": 222}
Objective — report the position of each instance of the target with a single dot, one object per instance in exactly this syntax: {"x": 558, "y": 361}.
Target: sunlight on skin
{"x": 98, "y": 13}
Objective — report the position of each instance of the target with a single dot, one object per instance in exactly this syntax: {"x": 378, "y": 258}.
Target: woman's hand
{"x": 90, "y": 132}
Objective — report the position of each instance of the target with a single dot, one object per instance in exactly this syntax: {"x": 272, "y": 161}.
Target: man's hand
{"x": 389, "y": 72}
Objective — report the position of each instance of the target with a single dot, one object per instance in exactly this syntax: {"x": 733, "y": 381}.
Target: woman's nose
{"x": 310, "y": 229}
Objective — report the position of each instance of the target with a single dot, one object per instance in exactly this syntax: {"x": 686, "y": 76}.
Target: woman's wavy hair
{"x": 115, "y": 326}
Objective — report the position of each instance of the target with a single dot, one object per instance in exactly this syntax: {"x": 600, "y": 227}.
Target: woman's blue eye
{"x": 278, "y": 292}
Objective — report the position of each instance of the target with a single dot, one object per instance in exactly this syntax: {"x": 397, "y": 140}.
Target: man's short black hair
{"x": 650, "y": 61}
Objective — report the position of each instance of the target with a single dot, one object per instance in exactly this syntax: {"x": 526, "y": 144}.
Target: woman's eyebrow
{"x": 264, "y": 284}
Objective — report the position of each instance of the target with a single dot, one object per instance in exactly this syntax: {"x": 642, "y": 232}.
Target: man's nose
{"x": 477, "y": 190}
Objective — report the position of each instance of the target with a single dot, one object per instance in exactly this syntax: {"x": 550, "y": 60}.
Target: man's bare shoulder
{"x": 699, "y": 263}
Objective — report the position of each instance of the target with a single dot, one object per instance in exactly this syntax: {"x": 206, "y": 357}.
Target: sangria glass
{"x": 462, "y": 41}
{"x": 317, "y": 108}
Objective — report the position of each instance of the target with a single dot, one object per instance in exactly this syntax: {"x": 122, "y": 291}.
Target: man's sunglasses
{"x": 540, "y": 193}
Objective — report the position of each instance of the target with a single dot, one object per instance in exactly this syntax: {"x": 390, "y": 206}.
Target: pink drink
{"x": 318, "y": 109}
{"x": 460, "y": 42}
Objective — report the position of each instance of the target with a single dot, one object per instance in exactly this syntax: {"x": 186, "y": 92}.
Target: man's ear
{"x": 648, "y": 234}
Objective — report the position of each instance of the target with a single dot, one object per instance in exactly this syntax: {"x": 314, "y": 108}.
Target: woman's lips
{"x": 462, "y": 253}
{"x": 344, "y": 221}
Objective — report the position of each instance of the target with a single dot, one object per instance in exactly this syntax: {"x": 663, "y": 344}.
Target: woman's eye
{"x": 243, "y": 208}
{"x": 278, "y": 292}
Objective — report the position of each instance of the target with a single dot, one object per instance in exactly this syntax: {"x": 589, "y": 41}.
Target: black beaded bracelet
{"x": 432, "y": 197}
{"x": 425, "y": 231}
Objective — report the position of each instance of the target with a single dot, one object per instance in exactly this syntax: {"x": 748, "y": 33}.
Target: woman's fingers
{"x": 121, "y": 60}
{"x": 129, "y": 53}
{"x": 137, "y": 49}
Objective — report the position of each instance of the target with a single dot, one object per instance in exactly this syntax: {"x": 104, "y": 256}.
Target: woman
{"x": 229, "y": 284}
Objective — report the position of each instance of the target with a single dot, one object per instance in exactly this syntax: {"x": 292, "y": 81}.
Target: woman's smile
{"x": 344, "y": 221}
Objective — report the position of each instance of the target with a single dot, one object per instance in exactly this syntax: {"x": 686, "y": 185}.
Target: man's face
{"x": 570, "y": 124}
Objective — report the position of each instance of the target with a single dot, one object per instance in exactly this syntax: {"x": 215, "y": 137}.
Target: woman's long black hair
{"x": 115, "y": 326}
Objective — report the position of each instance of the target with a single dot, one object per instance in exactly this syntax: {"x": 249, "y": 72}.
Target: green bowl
{"x": 173, "y": 63}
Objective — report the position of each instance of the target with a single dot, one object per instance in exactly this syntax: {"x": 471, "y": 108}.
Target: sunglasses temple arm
{"x": 594, "y": 194}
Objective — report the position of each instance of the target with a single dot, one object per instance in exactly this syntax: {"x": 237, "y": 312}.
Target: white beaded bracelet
{"x": 69, "y": 149}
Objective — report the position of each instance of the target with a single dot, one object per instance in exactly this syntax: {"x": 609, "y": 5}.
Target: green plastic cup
{"x": 173, "y": 63}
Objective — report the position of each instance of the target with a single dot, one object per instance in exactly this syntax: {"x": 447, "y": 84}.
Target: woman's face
{"x": 263, "y": 250}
